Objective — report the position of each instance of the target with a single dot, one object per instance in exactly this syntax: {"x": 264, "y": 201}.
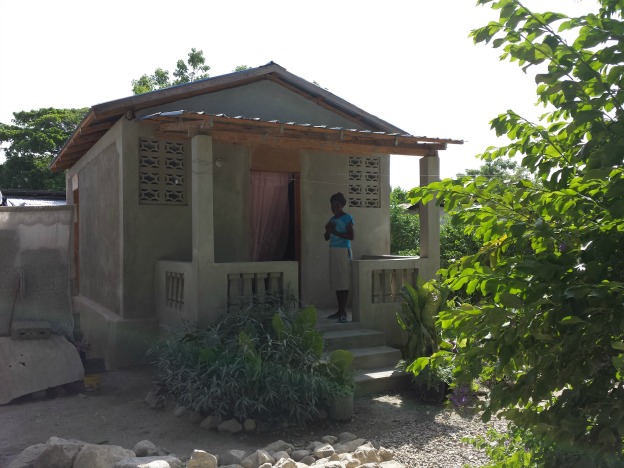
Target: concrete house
{"x": 192, "y": 199}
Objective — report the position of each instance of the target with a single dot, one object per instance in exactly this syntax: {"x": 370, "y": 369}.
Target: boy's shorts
{"x": 339, "y": 268}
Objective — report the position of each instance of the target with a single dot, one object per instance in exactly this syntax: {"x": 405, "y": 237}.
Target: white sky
{"x": 409, "y": 62}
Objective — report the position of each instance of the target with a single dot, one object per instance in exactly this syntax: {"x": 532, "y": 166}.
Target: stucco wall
{"x": 324, "y": 174}
{"x": 150, "y": 232}
{"x": 100, "y": 262}
{"x": 263, "y": 99}
{"x": 231, "y": 203}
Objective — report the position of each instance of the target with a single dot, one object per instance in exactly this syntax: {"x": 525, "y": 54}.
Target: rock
{"x": 27, "y": 457}
{"x": 298, "y": 455}
{"x": 249, "y": 425}
{"x": 391, "y": 464}
{"x": 266, "y": 465}
{"x": 258, "y": 458}
{"x": 367, "y": 454}
{"x": 324, "y": 451}
{"x": 385, "y": 454}
{"x": 145, "y": 448}
{"x": 179, "y": 410}
{"x": 100, "y": 456}
{"x": 334, "y": 457}
{"x": 329, "y": 439}
{"x": 285, "y": 463}
{"x": 211, "y": 422}
{"x": 153, "y": 400}
{"x": 279, "y": 455}
{"x": 278, "y": 446}
{"x": 312, "y": 446}
{"x": 345, "y": 437}
{"x": 307, "y": 460}
{"x": 58, "y": 455}
{"x": 167, "y": 461}
{"x": 202, "y": 459}
{"x": 332, "y": 464}
{"x": 232, "y": 457}
{"x": 350, "y": 446}
{"x": 231, "y": 466}
{"x": 231, "y": 426}
{"x": 349, "y": 461}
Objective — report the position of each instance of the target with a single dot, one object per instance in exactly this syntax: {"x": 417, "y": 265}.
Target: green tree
{"x": 546, "y": 326}
{"x": 193, "y": 69}
{"x": 34, "y": 138}
{"x": 404, "y": 225}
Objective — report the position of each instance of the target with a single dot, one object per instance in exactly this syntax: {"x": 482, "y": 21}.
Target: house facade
{"x": 191, "y": 200}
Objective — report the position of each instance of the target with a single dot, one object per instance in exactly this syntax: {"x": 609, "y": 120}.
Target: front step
{"x": 353, "y": 338}
{"x": 375, "y": 357}
{"x": 380, "y": 380}
{"x": 373, "y": 361}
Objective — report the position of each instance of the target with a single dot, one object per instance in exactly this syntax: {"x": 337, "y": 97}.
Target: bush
{"x": 263, "y": 363}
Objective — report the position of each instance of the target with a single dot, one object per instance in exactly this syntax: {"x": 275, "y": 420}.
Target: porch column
{"x": 203, "y": 230}
{"x": 430, "y": 218}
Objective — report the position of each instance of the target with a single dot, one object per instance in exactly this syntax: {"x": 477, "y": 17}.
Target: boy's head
{"x": 337, "y": 202}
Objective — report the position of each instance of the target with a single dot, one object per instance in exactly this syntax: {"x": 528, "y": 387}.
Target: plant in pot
{"x": 419, "y": 309}
{"x": 340, "y": 385}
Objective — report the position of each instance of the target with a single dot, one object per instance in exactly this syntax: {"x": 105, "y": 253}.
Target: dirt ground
{"x": 117, "y": 415}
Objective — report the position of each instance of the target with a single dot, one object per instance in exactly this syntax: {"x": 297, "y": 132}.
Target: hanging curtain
{"x": 269, "y": 215}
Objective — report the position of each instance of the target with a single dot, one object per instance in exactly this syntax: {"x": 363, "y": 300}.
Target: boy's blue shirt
{"x": 341, "y": 223}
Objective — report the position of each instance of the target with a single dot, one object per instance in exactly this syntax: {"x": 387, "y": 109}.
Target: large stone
{"x": 30, "y": 366}
{"x": 279, "y": 455}
{"x": 256, "y": 459}
{"x": 58, "y": 455}
{"x": 350, "y": 446}
{"x": 210, "y": 422}
{"x": 367, "y": 454}
{"x": 329, "y": 439}
{"x": 168, "y": 461}
{"x": 298, "y": 455}
{"x": 101, "y": 456}
{"x": 344, "y": 437}
{"x": 309, "y": 460}
{"x": 145, "y": 448}
{"x": 202, "y": 459}
{"x": 231, "y": 426}
{"x": 324, "y": 451}
{"x": 26, "y": 458}
{"x": 386, "y": 454}
{"x": 249, "y": 425}
{"x": 349, "y": 461}
{"x": 286, "y": 463}
{"x": 232, "y": 457}
{"x": 391, "y": 464}
{"x": 278, "y": 446}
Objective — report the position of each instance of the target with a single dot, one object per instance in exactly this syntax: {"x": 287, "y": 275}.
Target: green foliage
{"x": 417, "y": 318}
{"x": 545, "y": 326}
{"x": 193, "y": 69}
{"x": 264, "y": 362}
{"x": 34, "y": 138}
{"x": 404, "y": 225}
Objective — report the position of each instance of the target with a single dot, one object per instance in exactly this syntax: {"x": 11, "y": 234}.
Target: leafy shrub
{"x": 264, "y": 362}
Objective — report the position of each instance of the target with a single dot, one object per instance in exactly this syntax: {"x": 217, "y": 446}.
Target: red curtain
{"x": 269, "y": 215}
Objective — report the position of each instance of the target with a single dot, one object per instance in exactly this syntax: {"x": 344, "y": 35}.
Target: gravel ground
{"x": 420, "y": 435}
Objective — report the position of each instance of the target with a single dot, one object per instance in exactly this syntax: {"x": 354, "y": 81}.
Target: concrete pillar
{"x": 430, "y": 216}
{"x": 203, "y": 227}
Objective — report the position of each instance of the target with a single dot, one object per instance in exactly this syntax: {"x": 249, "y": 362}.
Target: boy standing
{"x": 339, "y": 232}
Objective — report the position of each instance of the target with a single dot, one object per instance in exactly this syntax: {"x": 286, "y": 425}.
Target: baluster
{"x": 234, "y": 293}
{"x": 261, "y": 287}
{"x": 248, "y": 287}
{"x": 180, "y": 297}
{"x": 377, "y": 286}
{"x": 274, "y": 283}
{"x": 387, "y": 286}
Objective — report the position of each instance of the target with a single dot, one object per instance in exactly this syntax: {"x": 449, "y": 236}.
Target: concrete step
{"x": 375, "y": 357}
{"x": 353, "y": 338}
{"x": 385, "y": 379}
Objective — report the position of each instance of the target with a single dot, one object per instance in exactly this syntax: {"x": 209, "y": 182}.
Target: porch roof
{"x": 243, "y": 130}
